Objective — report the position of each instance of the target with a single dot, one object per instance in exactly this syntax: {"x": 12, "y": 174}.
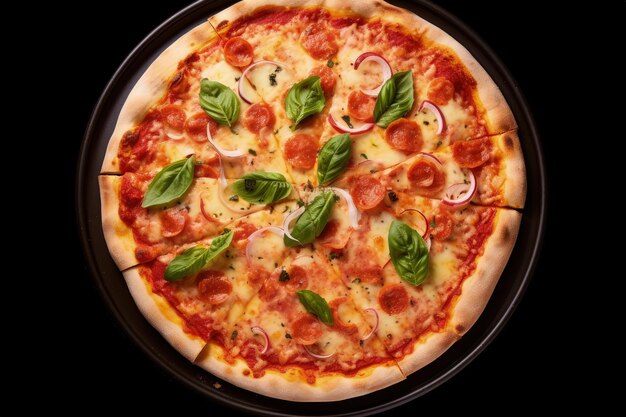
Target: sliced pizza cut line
{"x": 136, "y": 234}
{"x": 488, "y": 171}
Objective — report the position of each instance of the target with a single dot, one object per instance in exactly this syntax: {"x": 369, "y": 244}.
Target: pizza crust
{"x": 292, "y": 385}
{"x": 118, "y": 236}
{"x": 514, "y": 192}
{"x": 426, "y": 350}
{"x": 499, "y": 114}
{"x": 478, "y": 287}
{"x": 161, "y": 316}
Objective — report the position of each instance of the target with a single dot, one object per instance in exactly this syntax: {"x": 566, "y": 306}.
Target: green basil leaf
{"x": 333, "y": 158}
{"x": 194, "y": 259}
{"x": 304, "y": 99}
{"x": 262, "y": 187}
{"x": 219, "y": 101}
{"x": 312, "y": 222}
{"x": 170, "y": 183}
{"x": 408, "y": 253}
{"x": 394, "y": 99}
{"x": 315, "y": 304}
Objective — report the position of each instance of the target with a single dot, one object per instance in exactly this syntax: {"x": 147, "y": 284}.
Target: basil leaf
{"x": 194, "y": 259}
{"x": 304, "y": 99}
{"x": 394, "y": 99}
{"x": 311, "y": 223}
{"x": 408, "y": 253}
{"x": 170, "y": 183}
{"x": 262, "y": 187}
{"x": 333, "y": 158}
{"x": 315, "y": 304}
{"x": 219, "y": 101}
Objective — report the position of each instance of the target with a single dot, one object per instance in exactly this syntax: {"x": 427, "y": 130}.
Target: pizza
{"x": 313, "y": 199}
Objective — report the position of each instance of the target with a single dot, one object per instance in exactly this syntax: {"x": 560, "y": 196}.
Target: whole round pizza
{"x": 313, "y": 199}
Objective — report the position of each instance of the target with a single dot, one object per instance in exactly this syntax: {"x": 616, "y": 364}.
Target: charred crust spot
{"x": 508, "y": 143}
{"x": 460, "y": 328}
{"x": 506, "y": 234}
{"x": 221, "y": 24}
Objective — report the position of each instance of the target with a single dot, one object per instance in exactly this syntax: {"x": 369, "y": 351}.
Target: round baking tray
{"x": 111, "y": 284}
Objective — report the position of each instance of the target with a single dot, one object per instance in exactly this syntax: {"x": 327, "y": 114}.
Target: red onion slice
{"x": 441, "y": 121}
{"x": 223, "y": 152}
{"x": 461, "y": 194}
{"x": 365, "y": 127}
{"x": 240, "y": 84}
{"x": 315, "y": 355}
{"x": 274, "y": 229}
{"x": 353, "y": 212}
{"x": 375, "y": 313}
{"x": 374, "y": 57}
{"x": 288, "y": 221}
{"x": 222, "y": 185}
{"x": 427, "y": 227}
{"x": 432, "y": 157}
{"x": 260, "y": 330}
{"x": 174, "y": 134}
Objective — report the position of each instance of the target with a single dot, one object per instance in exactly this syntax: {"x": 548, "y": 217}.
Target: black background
{"x": 524, "y": 366}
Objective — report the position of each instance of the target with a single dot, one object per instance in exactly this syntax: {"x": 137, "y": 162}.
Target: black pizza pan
{"x": 114, "y": 292}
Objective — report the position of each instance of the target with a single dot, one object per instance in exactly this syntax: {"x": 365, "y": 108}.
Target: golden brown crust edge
{"x": 118, "y": 236}
{"x": 514, "y": 192}
{"x": 499, "y": 113}
{"x": 478, "y": 287}
{"x": 161, "y": 316}
{"x": 292, "y": 385}
{"x": 426, "y": 350}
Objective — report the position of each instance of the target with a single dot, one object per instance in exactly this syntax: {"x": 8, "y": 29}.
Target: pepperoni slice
{"x": 393, "y": 298}
{"x": 173, "y": 221}
{"x": 173, "y": 117}
{"x": 306, "y": 329}
{"x": 301, "y": 151}
{"x": 213, "y": 286}
{"x": 195, "y": 126}
{"x": 443, "y": 225}
{"x": 339, "y": 324}
{"x": 258, "y": 116}
{"x": 404, "y": 135}
{"x": 319, "y": 41}
{"x": 426, "y": 177}
{"x": 472, "y": 153}
{"x": 298, "y": 279}
{"x": 440, "y": 91}
{"x": 327, "y": 78}
{"x": 238, "y": 52}
{"x": 361, "y": 106}
{"x": 367, "y": 192}
{"x": 145, "y": 253}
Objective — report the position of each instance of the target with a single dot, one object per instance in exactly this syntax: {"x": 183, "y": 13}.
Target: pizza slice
{"x": 487, "y": 171}
{"x": 418, "y": 308}
{"x": 145, "y": 216}
{"x": 301, "y": 338}
{"x": 197, "y": 291}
